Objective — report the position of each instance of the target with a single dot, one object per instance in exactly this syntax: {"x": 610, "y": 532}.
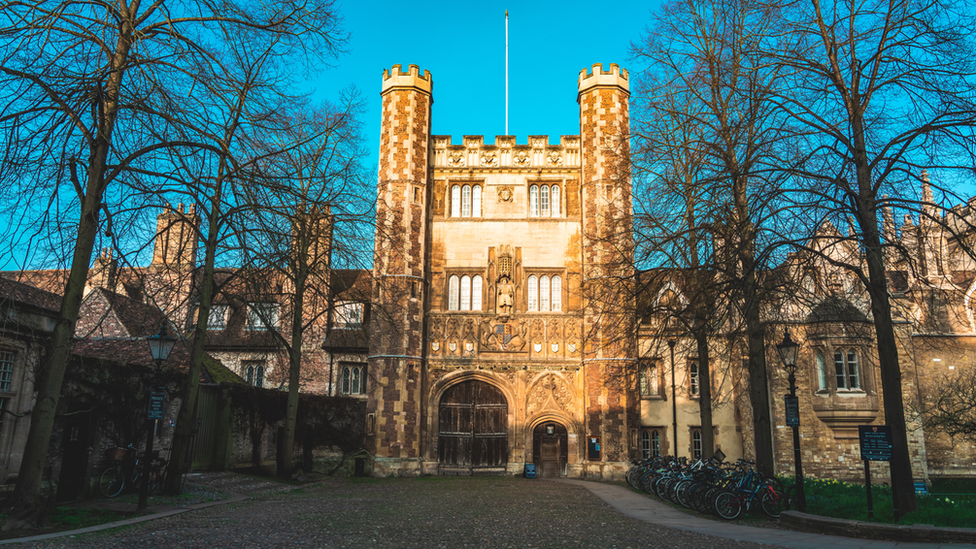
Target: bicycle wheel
{"x": 727, "y": 505}
{"x": 112, "y": 481}
{"x": 790, "y": 496}
{"x": 773, "y": 503}
{"x": 681, "y": 493}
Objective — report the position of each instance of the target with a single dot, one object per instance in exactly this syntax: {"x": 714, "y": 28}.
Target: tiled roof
{"x": 20, "y": 292}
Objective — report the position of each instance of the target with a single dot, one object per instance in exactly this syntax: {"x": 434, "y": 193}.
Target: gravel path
{"x": 428, "y": 512}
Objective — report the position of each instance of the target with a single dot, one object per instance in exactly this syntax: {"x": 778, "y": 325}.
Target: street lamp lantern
{"x": 160, "y": 347}
{"x": 789, "y": 352}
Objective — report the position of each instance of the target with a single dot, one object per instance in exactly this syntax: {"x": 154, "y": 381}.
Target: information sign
{"x": 157, "y": 398}
{"x": 876, "y": 442}
{"x": 792, "y": 411}
{"x": 593, "y": 448}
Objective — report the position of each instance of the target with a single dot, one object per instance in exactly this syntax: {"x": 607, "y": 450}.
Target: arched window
{"x": 649, "y": 380}
{"x": 645, "y": 444}
{"x": 466, "y": 201}
{"x": 696, "y": 443}
{"x": 655, "y": 443}
{"x": 465, "y": 293}
{"x": 534, "y": 201}
{"x": 353, "y": 380}
{"x": 476, "y": 201}
{"x": 452, "y": 293}
{"x": 456, "y": 201}
{"x": 544, "y": 293}
{"x": 533, "y": 293}
{"x": 544, "y": 201}
{"x": 694, "y": 378}
{"x": 254, "y": 373}
{"x": 555, "y": 201}
{"x": 557, "y": 293}
{"x": 476, "y": 289}
{"x": 821, "y": 371}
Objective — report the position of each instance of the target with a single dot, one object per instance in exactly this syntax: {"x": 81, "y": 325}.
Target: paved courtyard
{"x": 437, "y": 512}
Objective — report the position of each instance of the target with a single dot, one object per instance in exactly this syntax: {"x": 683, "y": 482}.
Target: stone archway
{"x": 472, "y": 429}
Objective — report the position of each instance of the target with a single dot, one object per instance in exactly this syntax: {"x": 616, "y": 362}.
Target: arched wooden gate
{"x": 473, "y": 430}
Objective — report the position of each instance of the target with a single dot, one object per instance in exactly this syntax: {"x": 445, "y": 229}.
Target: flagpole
{"x": 506, "y": 72}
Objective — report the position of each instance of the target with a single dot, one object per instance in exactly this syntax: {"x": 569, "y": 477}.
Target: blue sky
{"x": 462, "y": 44}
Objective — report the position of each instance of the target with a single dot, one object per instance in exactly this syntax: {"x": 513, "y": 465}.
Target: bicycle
{"x": 129, "y": 471}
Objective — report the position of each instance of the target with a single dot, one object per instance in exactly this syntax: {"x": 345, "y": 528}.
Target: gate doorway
{"x": 550, "y": 449}
{"x": 75, "y": 449}
{"x": 473, "y": 430}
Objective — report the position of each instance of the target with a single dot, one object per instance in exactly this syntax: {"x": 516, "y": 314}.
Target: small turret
{"x": 102, "y": 274}
{"x": 176, "y": 237}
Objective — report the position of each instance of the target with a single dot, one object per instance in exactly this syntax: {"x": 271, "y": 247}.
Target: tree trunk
{"x": 902, "y": 481}
{"x": 27, "y": 492}
{"x": 186, "y": 420}
{"x": 286, "y": 458}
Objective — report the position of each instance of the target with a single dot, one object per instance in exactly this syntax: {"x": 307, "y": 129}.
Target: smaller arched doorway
{"x": 550, "y": 449}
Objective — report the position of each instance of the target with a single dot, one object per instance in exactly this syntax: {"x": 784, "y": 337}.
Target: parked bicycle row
{"x": 710, "y": 487}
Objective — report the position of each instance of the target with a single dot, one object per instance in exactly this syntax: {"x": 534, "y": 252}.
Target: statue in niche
{"x": 506, "y": 296}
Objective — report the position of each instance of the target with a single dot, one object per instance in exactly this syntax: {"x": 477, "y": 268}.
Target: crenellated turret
{"x": 610, "y": 349}
{"x": 396, "y": 349}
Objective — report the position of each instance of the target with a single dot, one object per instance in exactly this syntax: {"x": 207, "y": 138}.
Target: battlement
{"x": 598, "y": 77}
{"x": 396, "y": 78}
{"x": 506, "y": 152}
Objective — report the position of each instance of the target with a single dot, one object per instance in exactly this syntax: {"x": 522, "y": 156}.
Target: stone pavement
{"x": 643, "y": 508}
{"x": 237, "y": 488}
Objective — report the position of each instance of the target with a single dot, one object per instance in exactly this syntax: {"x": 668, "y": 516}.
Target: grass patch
{"x": 833, "y": 498}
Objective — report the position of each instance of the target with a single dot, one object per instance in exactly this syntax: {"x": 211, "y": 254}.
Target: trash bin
{"x": 530, "y": 470}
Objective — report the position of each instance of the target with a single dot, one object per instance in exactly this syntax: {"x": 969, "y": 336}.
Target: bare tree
{"x": 310, "y": 190}
{"x": 75, "y": 73}
{"x": 712, "y": 54}
{"x": 674, "y": 171}
{"x": 882, "y": 89}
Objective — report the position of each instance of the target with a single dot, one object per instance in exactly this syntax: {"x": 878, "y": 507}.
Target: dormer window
{"x": 262, "y": 316}
{"x": 348, "y": 316}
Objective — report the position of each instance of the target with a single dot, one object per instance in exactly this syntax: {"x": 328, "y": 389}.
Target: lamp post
{"x": 160, "y": 346}
{"x": 788, "y": 351}
{"x": 674, "y": 402}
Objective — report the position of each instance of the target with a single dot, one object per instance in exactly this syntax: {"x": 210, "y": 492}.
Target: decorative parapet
{"x": 505, "y": 153}
{"x": 396, "y": 78}
{"x": 616, "y": 77}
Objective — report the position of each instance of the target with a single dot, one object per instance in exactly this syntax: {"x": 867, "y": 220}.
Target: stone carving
{"x": 538, "y": 143}
{"x": 549, "y": 393}
{"x": 521, "y": 158}
{"x": 554, "y": 158}
{"x": 456, "y": 159}
{"x": 508, "y": 336}
{"x": 489, "y": 159}
{"x": 572, "y": 336}
{"x": 506, "y": 296}
{"x": 505, "y": 194}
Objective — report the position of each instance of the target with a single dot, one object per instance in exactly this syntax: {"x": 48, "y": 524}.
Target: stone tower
{"x": 176, "y": 237}
{"x": 396, "y": 347}
{"x": 609, "y": 360}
